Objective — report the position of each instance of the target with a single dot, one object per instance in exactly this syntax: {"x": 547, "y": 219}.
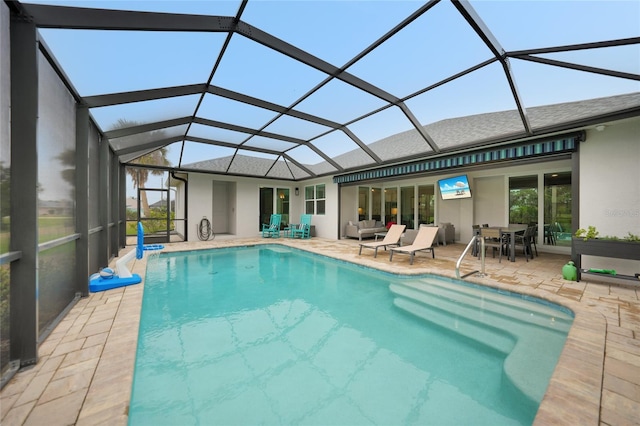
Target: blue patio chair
{"x": 272, "y": 229}
{"x": 304, "y": 229}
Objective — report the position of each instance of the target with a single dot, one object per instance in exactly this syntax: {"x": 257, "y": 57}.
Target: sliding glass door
{"x": 407, "y": 208}
{"x": 363, "y": 203}
{"x": 557, "y": 209}
{"x": 523, "y": 199}
{"x": 390, "y": 205}
{"x": 266, "y": 206}
{"x": 282, "y": 205}
{"x": 426, "y": 207}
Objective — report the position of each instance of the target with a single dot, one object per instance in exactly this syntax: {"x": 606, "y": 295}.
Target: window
{"x": 314, "y": 199}
{"x": 320, "y": 199}
{"x": 309, "y": 196}
{"x": 523, "y": 199}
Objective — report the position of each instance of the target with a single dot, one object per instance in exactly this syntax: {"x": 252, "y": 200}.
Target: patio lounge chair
{"x": 423, "y": 242}
{"x": 391, "y": 239}
{"x": 273, "y": 228}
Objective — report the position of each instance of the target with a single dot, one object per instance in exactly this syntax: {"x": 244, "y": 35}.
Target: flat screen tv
{"x": 455, "y": 188}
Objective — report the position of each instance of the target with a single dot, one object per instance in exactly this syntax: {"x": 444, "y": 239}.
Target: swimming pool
{"x": 273, "y": 335}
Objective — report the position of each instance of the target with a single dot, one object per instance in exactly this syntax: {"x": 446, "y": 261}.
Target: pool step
{"x": 508, "y": 324}
{"x": 454, "y": 320}
{"x": 521, "y": 309}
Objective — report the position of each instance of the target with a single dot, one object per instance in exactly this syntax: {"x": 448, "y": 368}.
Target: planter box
{"x": 605, "y": 248}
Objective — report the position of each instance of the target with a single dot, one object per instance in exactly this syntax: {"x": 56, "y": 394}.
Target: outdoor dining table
{"x": 510, "y": 230}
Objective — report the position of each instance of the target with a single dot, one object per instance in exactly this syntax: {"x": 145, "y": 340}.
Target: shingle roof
{"x": 479, "y": 129}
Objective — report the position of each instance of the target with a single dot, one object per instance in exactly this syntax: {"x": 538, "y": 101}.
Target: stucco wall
{"x": 609, "y": 194}
{"x": 489, "y": 202}
{"x": 610, "y": 179}
{"x": 348, "y": 208}
{"x": 243, "y": 208}
{"x": 610, "y": 187}
{"x": 327, "y": 224}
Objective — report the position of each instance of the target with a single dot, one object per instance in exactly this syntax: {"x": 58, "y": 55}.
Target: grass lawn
{"x": 49, "y": 228}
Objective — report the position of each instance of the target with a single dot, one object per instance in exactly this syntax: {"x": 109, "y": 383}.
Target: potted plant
{"x": 587, "y": 234}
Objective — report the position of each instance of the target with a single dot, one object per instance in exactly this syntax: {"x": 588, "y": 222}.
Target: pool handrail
{"x": 464, "y": 253}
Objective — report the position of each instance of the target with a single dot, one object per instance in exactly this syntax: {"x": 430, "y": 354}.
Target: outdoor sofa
{"x": 364, "y": 229}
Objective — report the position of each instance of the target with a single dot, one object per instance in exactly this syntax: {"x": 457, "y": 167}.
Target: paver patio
{"x": 85, "y": 368}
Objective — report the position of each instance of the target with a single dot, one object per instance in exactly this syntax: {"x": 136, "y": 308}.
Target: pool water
{"x": 273, "y": 335}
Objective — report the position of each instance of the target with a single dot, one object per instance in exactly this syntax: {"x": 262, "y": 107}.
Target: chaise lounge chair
{"x": 391, "y": 239}
{"x": 423, "y": 242}
{"x": 273, "y": 228}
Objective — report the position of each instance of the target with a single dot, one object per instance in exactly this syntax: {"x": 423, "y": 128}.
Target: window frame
{"x": 313, "y": 203}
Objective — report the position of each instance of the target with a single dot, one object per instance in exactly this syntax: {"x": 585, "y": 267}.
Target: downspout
{"x": 186, "y": 203}
{"x": 339, "y": 210}
{"x": 575, "y": 197}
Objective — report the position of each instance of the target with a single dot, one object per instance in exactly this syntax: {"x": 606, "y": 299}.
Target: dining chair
{"x": 475, "y": 230}
{"x": 525, "y": 240}
{"x": 550, "y": 234}
{"x": 493, "y": 238}
{"x": 534, "y": 237}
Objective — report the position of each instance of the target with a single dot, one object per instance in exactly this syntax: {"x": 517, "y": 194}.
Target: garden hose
{"x": 603, "y": 271}
{"x": 205, "y": 231}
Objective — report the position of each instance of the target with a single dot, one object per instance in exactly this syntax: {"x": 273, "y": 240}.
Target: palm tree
{"x": 139, "y": 176}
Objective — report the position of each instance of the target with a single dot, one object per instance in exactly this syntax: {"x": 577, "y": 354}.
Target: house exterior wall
{"x": 606, "y": 158}
{"x": 610, "y": 179}
{"x": 610, "y": 188}
{"x": 489, "y": 202}
{"x": 348, "y": 207}
{"x": 244, "y": 204}
{"x": 326, "y": 225}
{"x": 490, "y": 189}
{"x": 457, "y": 212}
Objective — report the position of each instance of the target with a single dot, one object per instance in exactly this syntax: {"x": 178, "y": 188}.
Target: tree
{"x": 68, "y": 159}
{"x": 140, "y": 175}
{"x": 523, "y": 205}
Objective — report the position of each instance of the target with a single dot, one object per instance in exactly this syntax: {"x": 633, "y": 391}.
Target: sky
{"x": 436, "y": 45}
